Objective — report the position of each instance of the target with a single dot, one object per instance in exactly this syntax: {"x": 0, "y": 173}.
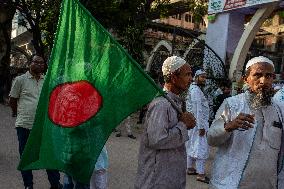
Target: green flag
{"x": 92, "y": 84}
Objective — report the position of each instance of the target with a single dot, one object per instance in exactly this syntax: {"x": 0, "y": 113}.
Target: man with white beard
{"x": 248, "y": 133}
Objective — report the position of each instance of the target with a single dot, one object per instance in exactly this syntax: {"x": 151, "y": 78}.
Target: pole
{"x": 173, "y": 103}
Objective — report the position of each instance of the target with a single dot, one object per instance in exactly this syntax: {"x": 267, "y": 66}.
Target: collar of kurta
{"x": 173, "y": 96}
{"x": 194, "y": 83}
{"x": 31, "y": 76}
{"x": 200, "y": 87}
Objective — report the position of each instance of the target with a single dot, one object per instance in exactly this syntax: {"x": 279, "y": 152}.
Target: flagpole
{"x": 173, "y": 103}
{"x": 133, "y": 61}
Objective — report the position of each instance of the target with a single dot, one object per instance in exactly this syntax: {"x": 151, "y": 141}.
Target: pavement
{"x": 122, "y": 153}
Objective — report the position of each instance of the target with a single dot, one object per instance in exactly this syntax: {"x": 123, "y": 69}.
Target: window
{"x": 179, "y": 16}
{"x": 188, "y": 18}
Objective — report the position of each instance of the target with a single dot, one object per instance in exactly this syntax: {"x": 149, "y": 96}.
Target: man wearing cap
{"x": 197, "y": 146}
{"x": 162, "y": 154}
{"x": 247, "y": 131}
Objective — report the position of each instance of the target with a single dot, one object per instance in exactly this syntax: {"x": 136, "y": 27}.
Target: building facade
{"x": 270, "y": 42}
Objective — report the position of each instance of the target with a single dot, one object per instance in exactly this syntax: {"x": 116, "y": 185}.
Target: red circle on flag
{"x": 71, "y": 104}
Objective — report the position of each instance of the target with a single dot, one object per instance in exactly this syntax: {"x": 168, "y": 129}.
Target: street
{"x": 122, "y": 156}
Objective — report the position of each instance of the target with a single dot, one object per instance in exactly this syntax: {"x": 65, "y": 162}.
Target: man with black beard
{"x": 24, "y": 96}
{"x": 197, "y": 148}
{"x": 247, "y": 131}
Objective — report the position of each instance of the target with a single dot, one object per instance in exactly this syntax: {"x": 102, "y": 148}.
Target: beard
{"x": 261, "y": 98}
{"x": 202, "y": 85}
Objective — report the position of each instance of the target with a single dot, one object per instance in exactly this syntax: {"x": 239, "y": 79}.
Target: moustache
{"x": 264, "y": 92}
{"x": 263, "y": 89}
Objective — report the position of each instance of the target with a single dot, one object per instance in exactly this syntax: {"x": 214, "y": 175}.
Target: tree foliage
{"x": 126, "y": 19}
{"x": 6, "y": 15}
{"x": 40, "y": 18}
{"x": 7, "y": 12}
{"x": 198, "y": 8}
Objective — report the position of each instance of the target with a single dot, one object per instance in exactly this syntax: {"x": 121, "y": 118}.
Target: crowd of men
{"x": 247, "y": 131}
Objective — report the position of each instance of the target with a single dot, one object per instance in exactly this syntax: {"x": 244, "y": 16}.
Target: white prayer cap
{"x": 199, "y": 72}
{"x": 277, "y": 87}
{"x": 258, "y": 60}
{"x": 171, "y": 64}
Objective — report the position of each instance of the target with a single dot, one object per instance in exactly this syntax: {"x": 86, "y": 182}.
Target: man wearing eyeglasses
{"x": 24, "y": 97}
{"x": 247, "y": 131}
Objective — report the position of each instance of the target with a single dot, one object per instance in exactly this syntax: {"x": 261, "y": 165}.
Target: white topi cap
{"x": 199, "y": 72}
{"x": 258, "y": 60}
{"x": 171, "y": 64}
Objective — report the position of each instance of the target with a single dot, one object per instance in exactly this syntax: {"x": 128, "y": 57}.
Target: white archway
{"x": 164, "y": 43}
{"x": 246, "y": 40}
{"x": 192, "y": 44}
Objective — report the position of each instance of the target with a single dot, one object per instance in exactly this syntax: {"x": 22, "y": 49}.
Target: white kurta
{"x": 246, "y": 159}
{"x": 197, "y": 103}
{"x": 279, "y": 100}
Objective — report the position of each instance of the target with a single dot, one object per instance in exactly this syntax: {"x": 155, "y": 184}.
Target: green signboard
{"x": 217, "y": 6}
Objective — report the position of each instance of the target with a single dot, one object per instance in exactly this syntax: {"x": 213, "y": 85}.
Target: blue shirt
{"x": 102, "y": 162}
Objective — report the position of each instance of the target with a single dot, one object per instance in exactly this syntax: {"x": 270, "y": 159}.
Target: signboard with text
{"x": 217, "y": 6}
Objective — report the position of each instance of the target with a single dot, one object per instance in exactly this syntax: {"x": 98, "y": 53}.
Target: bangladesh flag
{"x": 92, "y": 84}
